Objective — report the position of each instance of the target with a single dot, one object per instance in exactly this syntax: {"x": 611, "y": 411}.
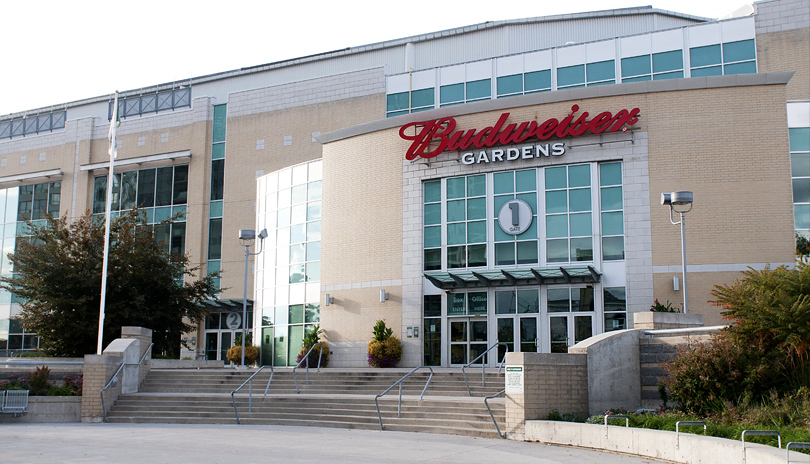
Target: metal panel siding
{"x": 520, "y": 38}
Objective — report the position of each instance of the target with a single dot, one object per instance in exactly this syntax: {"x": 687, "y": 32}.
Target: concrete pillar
{"x": 550, "y": 381}
{"x": 145, "y": 337}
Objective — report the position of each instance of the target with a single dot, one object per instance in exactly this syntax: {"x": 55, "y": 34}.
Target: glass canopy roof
{"x": 514, "y": 277}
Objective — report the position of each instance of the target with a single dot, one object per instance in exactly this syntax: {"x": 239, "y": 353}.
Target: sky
{"x": 62, "y": 51}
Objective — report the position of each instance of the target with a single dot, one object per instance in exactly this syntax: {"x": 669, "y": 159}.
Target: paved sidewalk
{"x": 179, "y": 444}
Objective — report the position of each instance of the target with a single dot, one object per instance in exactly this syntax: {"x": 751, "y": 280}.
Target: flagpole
{"x": 110, "y": 177}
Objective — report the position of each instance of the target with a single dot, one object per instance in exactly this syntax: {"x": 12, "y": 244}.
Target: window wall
{"x": 18, "y": 204}
{"x": 160, "y": 192}
{"x": 710, "y": 49}
{"x": 288, "y": 271}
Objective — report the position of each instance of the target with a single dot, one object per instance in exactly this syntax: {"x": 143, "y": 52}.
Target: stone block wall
{"x": 551, "y": 381}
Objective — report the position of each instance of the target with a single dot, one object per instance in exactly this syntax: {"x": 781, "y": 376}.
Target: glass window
{"x": 559, "y": 300}
{"x": 667, "y": 61}
{"x": 451, "y": 94}
{"x": 571, "y": 76}
{"x": 506, "y": 302}
{"x": 749, "y": 67}
{"x": 537, "y": 81}
{"x": 510, "y": 85}
{"x": 705, "y": 56}
{"x": 146, "y": 188}
{"x": 479, "y": 90}
{"x": 710, "y": 71}
{"x": 219, "y": 123}
{"x": 601, "y": 72}
{"x": 397, "y": 101}
{"x": 217, "y": 180}
{"x": 799, "y": 139}
{"x": 215, "y": 239}
{"x": 739, "y": 51}
{"x": 163, "y": 196}
{"x": 422, "y": 98}
{"x": 636, "y": 66}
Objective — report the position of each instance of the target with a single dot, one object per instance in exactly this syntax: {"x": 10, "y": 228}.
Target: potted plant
{"x": 321, "y": 351}
{"x": 234, "y": 354}
{"x": 384, "y": 350}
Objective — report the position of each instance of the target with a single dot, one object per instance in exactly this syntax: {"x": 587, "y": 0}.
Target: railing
{"x": 616, "y": 416}
{"x": 399, "y": 382}
{"x": 795, "y": 444}
{"x": 41, "y": 363}
{"x": 502, "y": 435}
{"x": 483, "y": 366}
{"x": 685, "y": 423}
{"x": 306, "y": 358}
{"x": 759, "y": 433}
{"x": 250, "y": 391}
{"x": 115, "y": 377}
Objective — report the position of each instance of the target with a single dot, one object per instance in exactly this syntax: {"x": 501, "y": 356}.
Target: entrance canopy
{"x": 514, "y": 277}
{"x": 226, "y": 305}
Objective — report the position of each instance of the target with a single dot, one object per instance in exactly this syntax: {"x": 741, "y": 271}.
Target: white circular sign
{"x": 515, "y": 217}
{"x": 233, "y": 321}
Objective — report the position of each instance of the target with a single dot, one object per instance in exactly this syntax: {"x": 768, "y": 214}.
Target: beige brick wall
{"x": 354, "y": 312}
{"x": 551, "y": 381}
{"x": 362, "y": 210}
{"x": 243, "y": 160}
{"x": 787, "y": 51}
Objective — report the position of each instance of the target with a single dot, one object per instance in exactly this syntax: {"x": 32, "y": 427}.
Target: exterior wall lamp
{"x": 383, "y": 296}
{"x": 680, "y": 202}
{"x": 328, "y": 299}
{"x": 247, "y": 238}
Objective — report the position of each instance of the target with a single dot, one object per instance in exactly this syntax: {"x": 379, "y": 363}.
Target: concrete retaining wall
{"x": 685, "y": 448}
{"x": 48, "y": 409}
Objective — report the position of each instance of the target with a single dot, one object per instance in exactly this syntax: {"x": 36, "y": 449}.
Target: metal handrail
{"x": 760, "y": 433}
{"x": 685, "y": 423}
{"x": 399, "y": 382}
{"x": 250, "y": 391}
{"x": 115, "y": 377}
{"x": 483, "y": 366}
{"x": 306, "y": 358}
{"x": 795, "y": 444}
{"x": 41, "y": 363}
{"x": 502, "y": 435}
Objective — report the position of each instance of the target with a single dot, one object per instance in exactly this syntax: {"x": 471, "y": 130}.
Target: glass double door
{"x": 217, "y": 344}
{"x": 567, "y": 330}
{"x": 519, "y": 334}
{"x": 468, "y": 340}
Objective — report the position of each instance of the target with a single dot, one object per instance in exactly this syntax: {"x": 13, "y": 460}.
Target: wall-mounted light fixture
{"x": 328, "y": 299}
{"x": 383, "y": 296}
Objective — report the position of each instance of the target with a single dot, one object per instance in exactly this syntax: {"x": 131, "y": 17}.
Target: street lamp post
{"x": 680, "y": 202}
{"x": 247, "y": 238}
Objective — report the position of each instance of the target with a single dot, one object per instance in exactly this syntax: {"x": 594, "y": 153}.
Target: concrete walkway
{"x": 158, "y": 443}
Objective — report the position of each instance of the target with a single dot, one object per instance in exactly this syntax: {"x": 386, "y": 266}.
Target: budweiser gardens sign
{"x": 432, "y": 138}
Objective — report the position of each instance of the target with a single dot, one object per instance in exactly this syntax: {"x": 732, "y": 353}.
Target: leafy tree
{"x": 57, "y": 277}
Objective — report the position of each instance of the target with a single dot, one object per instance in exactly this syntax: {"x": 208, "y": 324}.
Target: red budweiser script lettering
{"x": 442, "y": 135}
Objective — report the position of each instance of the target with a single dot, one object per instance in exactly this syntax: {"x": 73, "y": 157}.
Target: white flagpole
{"x": 110, "y": 177}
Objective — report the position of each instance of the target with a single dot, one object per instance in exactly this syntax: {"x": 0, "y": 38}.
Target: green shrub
{"x": 38, "y": 383}
{"x": 234, "y": 354}
{"x": 385, "y": 353}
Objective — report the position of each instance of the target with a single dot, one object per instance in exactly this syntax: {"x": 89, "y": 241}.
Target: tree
{"x": 57, "y": 277}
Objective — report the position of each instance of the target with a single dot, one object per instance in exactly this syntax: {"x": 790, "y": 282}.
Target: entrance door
{"x": 468, "y": 339}
{"x": 521, "y": 328}
{"x": 562, "y": 327}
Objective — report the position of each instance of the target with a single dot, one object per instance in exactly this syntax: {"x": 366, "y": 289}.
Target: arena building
{"x": 493, "y": 183}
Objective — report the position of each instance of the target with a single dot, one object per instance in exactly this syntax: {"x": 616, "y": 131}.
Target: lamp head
{"x": 247, "y": 237}
{"x": 666, "y": 199}
{"x": 263, "y": 234}
{"x": 681, "y": 201}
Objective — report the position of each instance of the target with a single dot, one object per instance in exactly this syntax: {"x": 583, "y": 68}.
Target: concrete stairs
{"x": 334, "y": 398}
